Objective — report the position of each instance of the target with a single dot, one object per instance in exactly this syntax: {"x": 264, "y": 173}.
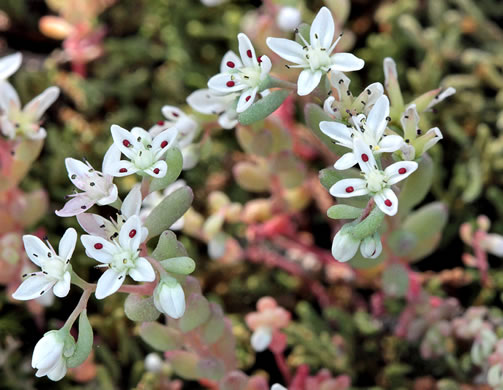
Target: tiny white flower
{"x": 121, "y": 256}
{"x": 56, "y": 268}
{"x": 109, "y": 229}
{"x": 51, "y": 353}
{"x": 156, "y": 197}
{"x": 187, "y": 131}
{"x": 288, "y": 18}
{"x": 97, "y": 188}
{"x": 344, "y": 246}
{"x": 483, "y": 346}
{"x": 212, "y": 3}
{"x": 208, "y": 102}
{"x": 315, "y": 57}
{"x": 145, "y": 154}
{"x": 261, "y": 338}
{"x": 169, "y": 298}
{"x": 277, "y": 386}
{"x": 241, "y": 75}
{"x": 153, "y": 362}
{"x": 369, "y": 129}
{"x": 371, "y": 246}
{"x": 376, "y": 182}
{"x": 9, "y": 65}
{"x": 24, "y": 122}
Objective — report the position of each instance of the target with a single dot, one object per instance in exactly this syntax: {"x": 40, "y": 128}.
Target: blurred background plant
{"x": 258, "y": 225}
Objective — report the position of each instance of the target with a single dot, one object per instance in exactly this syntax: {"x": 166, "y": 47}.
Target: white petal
{"x": 122, "y": 168}
{"x": 225, "y": 83}
{"x": 390, "y": 143}
{"x": 389, "y": 67}
{"x": 376, "y": 91}
{"x": 346, "y": 161}
{"x": 39, "y": 105}
{"x": 442, "y": 96}
{"x": 337, "y": 131}
{"x": 62, "y": 287}
{"x": 432, "y": 142}
{"x": 230, "y": 62}
{"x": 47, "y": 351}
{"x": 141, "y": 135}
{"x": 308, "y": 81}
{"x": 77, "y": 172}
{"x": 323, "y": 28}
{"x": 400, "y": 170}
{"x": 109, "y": 283}
{"x": 287, "y": 49}
{"x": 35, "y": 249}
{"x": 110, "y": 197}
{"x": 228, "y": 120}
{"x": 122, "y": 137}
{"x": 363, "y": 155}
{"x": 347, "y": 188}
{"x": 132, "y": 202}
{"x": 164, "y": 141}
{"x": 277, "y": 386}
{"x": 206, "y": 102}
{"x": 67, "y": 244}
{"x": 265, "y": 66}
{"x": 6, "y": 126}
{"x": 157, "y": 170}
{"x": 172, "y": 113}
{"x": 346, "y": 62}
{"x": 9, "y": 65}
{"x": 41, "y": 133}
{"x": 143, "y": 271}
{"x": 376, "y": 120}
{"x": 58, "y": 371}
{"x": 8, "y": 97}
{"x": 261, "y": 339}
{"x": 171, "y": 300}
{"x": 91, "y": 223}
{"x": 98, "y": 248}
{"x": 387, "y": 201}
{"x": 112, "y": 156}
{"x": 344, "y": 246}
{"x": 246, "y": 99}
{"x": 33, "y": 287}
{"x": 246, "y": 51}
{"x": 130, "y": 234}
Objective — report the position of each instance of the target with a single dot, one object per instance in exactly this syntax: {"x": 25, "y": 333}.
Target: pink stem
{"x": 282, "y": 366}
{"x": 481, "y": 256}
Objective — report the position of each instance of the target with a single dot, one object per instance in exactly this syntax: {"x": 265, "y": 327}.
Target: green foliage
{"x": 174, "y": 160}
{"x": 140, "y": 309}
{"x": 263, "y": 108}
{"x": 84, "y": 343}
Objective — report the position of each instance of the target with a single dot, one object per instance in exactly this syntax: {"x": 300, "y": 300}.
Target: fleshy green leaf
{"x": 161, "y": 337}
{"x": 417, "y": 186}
{"x": 179, "y": 265}
{"x": 215, "y": 326}
{"x": 84, "y": 343}
{"x": 197, "y": 313}
{"x": 395, "y": 280}
{"x": 263, "y": 107}
{"x": 369, "y": 225}
{"x": 169, "y": 211}
{"x": 343, "y": 211}
{"x": 174, "y": 160}
{"x": 168, "y": 246}
{"x": 314, "y": 115}
{"x": 290, "y": 170}
{"x": 251, "y": 177}
{"x": 140, "y": 309}
{"x": 210, "y": 368}
{"x": 185, "y": 364}
{"x": 235, "y": 380}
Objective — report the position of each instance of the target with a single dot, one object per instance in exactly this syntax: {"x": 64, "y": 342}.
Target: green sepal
{"x": 263, "y": 107}
{"x": 84, "y": 344}
{"x": 174, "y": 159}
{"x": 343, "y": 211}
{"x": 140, "y": 309}
{"x": 179, "y": 265}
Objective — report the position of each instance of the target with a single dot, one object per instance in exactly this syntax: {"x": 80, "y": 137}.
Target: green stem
{"x": 278, "y": 83}
{"x": 78, "y": 281}
{"x": 79, "y": 308}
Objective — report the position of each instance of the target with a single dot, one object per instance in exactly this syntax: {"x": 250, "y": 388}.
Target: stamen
{"x": 132, "y": 233}
{"x": 349, "y": 189}
{"x": 365, "y": 158}
{"x": 123, "y": 170}
{"x": 126, "y": 143}
{"x": 230, "y": 84}
{"x": 230, "y": 64}
{"x": 249, "y": 53}
{"x": 98, "y": 246}
{"x": 164, "y": 144}
{"x": 388, "y": 203}
{"x": 401, "y": 171}
{"x": 156, "y": 171}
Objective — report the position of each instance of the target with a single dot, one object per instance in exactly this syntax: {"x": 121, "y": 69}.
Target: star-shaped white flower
{"x": 96, "y": 186}
{"x": 376, "y": 183}
{"x": 51, "y": 353}
{"x": 24, "y": 122}
{"x": 187, "y": 131}
{"x": 241, "y": 75}
{"x": 208, "y": 102}
{"x": 369, "y": 129}
{"x": 9, "y": 65}
{"x": 56, "y": 268}
{"x": 315, "y": 57}
{"x": 145, "y": 154}
{"x": 121, "y": 256}
{"x": 109, "y": 229}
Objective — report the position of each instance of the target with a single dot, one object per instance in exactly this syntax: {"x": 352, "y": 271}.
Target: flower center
{"x": 318, "y": 58}
{"x": 250, "y": 76}
{"x": 144, "y": 159}
{"x": 376, "y": 180}
{"x": 124, "y": 260}
{"x": 24, "y": 123}
{"x": 54, "y": 267}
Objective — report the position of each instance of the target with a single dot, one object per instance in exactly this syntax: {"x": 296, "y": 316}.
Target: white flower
{"x": 277, "y": 386}
{"x": 121, "y": 256}
{"x": 315, "y": 57}
{"x": 208, "y": 102}
{"x": 56, "y": 268}
{"x": 369, "y": 129}
{"x": 371, "y": 246}
{"x": 376, "y": 182}
{"x": 261, "y": 338}
{"x": 156, "y": 197}
{"x": 51, "y": 353}
{"x": 288, "y": 18}
{"x": 97, "y": 188}
{"x": 9, "y": 65}
{"x": 145, "y": 154}
{"x": 187, "y": 131}
{"x": 153, "y": 362}
{"x": 15, "y": 121}
{"x": 241, "y": 75}
{"x": 96, "y": 225}
{"x": 169, "y": 297}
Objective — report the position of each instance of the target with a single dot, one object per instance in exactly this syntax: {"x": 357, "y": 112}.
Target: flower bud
{"x": 51, "y": 352}
{"x": 261, "y": 338}
{"x": 344, "y": 246}
{"x": 169, "y": 297}
{"x": 288, "y": 18}
{"x": 153, "y": 362}
{"x": 371, "y": 246}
